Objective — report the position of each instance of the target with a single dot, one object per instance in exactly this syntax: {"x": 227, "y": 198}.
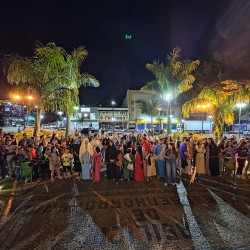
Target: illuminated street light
{"x": 202, "y": 107}
{"x": 113, "y": 118}
{"x": 210, "y": 117}
{"x": 160, "y": 109}
{"x": 168, "y": 98}
{"x": 19, "y": 98}
{"x": 240, "y": 106}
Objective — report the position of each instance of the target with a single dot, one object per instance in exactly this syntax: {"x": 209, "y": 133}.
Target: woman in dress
{"x": 213, "y": 157}
{"x": 85, "y": 156}
{"x": 151, "y": 170}
{"x": 138, "y": 173}
{"x": 118, "y": 164}
{"x": 128, "y": 158}
{"x": 110, "y": 156}
{"x": 96, "y": 174}
{"x": 199, "y": 159}
{"x": 145, "y": 150}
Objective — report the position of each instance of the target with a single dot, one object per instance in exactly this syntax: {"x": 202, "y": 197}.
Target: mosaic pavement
{"x": 72, "y": 214}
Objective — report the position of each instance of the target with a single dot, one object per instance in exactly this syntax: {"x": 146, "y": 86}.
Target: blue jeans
{"x": 170, "y": 171}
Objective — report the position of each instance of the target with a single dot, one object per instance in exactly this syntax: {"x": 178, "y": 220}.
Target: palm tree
{"x": 172, "y": 77}
{"x": 221, "y": 102}
{"x": 52, "y": 76}
{"x": 149, "y": 108}
{"x": 69, "y": 81}
{"x": 35, "y": 75}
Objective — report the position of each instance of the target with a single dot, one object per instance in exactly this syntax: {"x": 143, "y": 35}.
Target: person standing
{"x": 95, "y": 142}
{"x": 85, "y": 156}
{"x": 67, "y": 159}
{"x": 110, "y": 157}
{"x": 151, "y": 170}
{"x": 221, "y": 147}
{"x": 247, "y": 165}
{"x": 145, "y": 150}
{"x": 11, "y": 149}
{"x": 190, "y": 159}
{"x": 3, "y": 167}
{"x": 184, "y": 155}
{"x": 97, "y": 157}
{"x": 242, "y": 152}
{"x": 160, "y": 150}
{"x": 213, "y": 157}
{"x": 171, "y": 160}
{"x": 128, "y": 158}
{"x": 138, "y": 173}
{"x": 199, "y": 159}
{"x": 54, "y": 163}
{"x": 105, "y": 142}
{"x": 119, "y": 164}
{"x": 77, "y": 163}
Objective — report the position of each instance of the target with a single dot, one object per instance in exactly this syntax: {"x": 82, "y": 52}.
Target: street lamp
{"x": 202, "y": 107}
{"x": 60, "y": 113}
{"x": 240, "y": 106}
{"x": 168, "y": 97}
{"x": 19, "y": 98}
{"x": 210, "y": 117}
{"x": 160, "y": 109}
{"x": 113, "y": 103}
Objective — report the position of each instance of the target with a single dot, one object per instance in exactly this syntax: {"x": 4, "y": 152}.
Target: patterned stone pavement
{"x": 72, "y": 214}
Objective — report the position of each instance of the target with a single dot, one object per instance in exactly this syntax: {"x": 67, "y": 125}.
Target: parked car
{"x": 85, "y": 131}
{"x": 30, "y": 126}
{"x": 118, "y": 131}
{"x": 129, "y": 131}
{"x": 246, "y": 133}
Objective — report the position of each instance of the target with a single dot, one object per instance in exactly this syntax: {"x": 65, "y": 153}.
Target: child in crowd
{"x": 54, "y": 163}
{"x": 18, "y": 159}
{"x": 67, "y": 159}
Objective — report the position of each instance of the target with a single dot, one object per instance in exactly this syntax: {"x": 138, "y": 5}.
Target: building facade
{"x": 100, "y": 118}
{"x": 142, "y": 121}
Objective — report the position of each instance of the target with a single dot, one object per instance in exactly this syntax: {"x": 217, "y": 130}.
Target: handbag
{"x": 130, "y": 166}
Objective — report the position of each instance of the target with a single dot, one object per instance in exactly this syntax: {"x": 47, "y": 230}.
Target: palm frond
{"x": 87, "y": 80}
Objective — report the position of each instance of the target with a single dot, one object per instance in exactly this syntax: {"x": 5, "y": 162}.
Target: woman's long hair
{"x": 139, "y": 150}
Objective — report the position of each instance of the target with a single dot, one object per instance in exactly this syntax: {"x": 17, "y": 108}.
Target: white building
{"x": 142, "y": 121}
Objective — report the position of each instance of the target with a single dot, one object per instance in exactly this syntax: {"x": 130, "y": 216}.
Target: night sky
{"x": 203, "y": 29}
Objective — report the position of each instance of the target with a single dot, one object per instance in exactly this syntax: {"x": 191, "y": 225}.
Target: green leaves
{"x": 174, "y": 76}
{"x": 52, "y": 75}
{"x": 148, "y": 107}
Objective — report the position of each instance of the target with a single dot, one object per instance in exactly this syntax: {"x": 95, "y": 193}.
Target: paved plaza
{"x": 73, "y": 214}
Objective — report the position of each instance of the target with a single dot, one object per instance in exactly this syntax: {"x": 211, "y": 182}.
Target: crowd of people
{"x": 125, "y": 157}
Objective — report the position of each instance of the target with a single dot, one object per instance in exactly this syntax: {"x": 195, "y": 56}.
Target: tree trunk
{"x": 169, "y": 126}
{"x": 218, "y": 131}
{"x": 152, "y": 128}
{"x": 68, "y": 130}
{"x": 37, "y": 122}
